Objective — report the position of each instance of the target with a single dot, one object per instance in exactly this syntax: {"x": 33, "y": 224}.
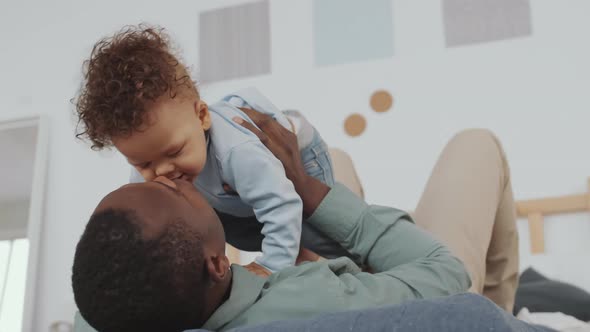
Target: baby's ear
{"x": 202, "y": 111}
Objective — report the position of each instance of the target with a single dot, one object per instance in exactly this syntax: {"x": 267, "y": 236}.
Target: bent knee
{"x": 474, "y": 135}
{"x": 479, "y": 139}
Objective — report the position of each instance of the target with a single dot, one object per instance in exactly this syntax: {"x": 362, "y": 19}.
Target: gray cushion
{"x": 541, "y": 294}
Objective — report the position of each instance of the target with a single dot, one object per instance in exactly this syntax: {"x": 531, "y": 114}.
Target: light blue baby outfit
{"x": 236, "y": 157}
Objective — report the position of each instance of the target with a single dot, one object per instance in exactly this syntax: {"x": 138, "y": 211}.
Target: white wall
{"x": 532, "y": 92}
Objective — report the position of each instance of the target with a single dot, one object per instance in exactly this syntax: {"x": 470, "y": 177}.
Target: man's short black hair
{"x": 123, "y": 282}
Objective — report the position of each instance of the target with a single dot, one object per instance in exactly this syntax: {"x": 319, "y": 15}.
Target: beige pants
{"x": 468, "y": 205}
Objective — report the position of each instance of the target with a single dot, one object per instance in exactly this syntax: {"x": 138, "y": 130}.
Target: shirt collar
{"x": 245, "y": 291}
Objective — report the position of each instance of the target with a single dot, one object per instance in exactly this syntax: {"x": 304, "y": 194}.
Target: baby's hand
{"x": 306, "y": 255}
{"x": 258, "y": 270}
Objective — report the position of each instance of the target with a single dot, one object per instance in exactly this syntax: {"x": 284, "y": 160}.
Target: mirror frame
{"x": 36, "y": 206}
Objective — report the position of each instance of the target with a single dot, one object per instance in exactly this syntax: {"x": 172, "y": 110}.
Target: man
{"x": 151, "y": 258}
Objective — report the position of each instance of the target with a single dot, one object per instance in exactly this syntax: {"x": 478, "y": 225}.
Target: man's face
{"x": 172, "y": 141}
{"x": 162, "y": 202}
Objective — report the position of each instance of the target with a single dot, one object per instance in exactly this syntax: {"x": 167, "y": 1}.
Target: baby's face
{"x": 172, "y": 141}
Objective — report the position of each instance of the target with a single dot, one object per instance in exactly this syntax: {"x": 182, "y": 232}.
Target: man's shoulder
{"x": 308, "y": 290}
{"x": 294, "y": 292}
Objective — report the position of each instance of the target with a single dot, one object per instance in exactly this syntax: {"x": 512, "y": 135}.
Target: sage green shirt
{"x": 407, "y": 263}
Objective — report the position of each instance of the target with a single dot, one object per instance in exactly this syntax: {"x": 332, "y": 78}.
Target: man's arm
{"x": 383, "y": 238}
{"x": 283, "y": 144}
{"x": 408, "y": 262}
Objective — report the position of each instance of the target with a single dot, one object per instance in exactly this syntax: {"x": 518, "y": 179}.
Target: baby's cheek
{"x": 201, "y": 163}
{"x": 194, "y": 164}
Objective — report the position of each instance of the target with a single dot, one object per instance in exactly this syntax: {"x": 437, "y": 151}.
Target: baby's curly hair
{"x": 126, "y": 71}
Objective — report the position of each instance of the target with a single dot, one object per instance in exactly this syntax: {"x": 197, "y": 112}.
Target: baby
{"x": 138, "y": 97}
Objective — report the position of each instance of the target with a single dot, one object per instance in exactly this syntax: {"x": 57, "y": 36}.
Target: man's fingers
{"x": 262, "y": 136}
{"x": 252, "y": 114}
{"x": 260, "y": 119}
{"x": 229, "y": 190}
{"x": 269, "y": 131}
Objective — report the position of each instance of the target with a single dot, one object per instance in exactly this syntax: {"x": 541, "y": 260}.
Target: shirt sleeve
{"x": 408, "y": 263}
{"x": 259, "y": 178}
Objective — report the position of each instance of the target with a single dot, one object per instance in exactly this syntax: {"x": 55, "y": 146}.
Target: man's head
{"x": 151, "y": 259}
{"x": 138, "y": 97}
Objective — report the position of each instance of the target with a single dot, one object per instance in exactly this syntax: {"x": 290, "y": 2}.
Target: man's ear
{"x": 218, "y": 267}
{"x": 202, "y": 111}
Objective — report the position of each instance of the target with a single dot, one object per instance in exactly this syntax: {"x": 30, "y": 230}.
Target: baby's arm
{"x": 259, "y": 178}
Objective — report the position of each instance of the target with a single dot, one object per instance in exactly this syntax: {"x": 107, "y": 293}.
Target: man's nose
{"x": 166, "y": 181}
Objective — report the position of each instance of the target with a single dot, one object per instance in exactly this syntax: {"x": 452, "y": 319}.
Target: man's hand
{"x": 283, "y": 144}
{"x": 280, "y": 141}
{"x": 258, "y": 270}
